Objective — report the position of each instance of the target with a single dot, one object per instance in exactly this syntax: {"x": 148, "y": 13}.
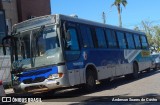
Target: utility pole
{"x": 104, "y": 17}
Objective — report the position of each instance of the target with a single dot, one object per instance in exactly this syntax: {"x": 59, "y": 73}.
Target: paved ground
{"x": 147, "y": 86}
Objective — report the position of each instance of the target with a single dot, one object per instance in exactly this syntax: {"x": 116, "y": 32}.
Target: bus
{"x": 56, "y": 51}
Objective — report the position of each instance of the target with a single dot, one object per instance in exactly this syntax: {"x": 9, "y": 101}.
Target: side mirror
{"x": 68, "y": 36}
{"x": 4, "y": 48}
{"x": 3, "y": 43}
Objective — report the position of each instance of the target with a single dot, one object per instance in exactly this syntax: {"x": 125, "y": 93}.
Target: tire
{"x": 135, "y": 73}
{"x": 90, "y": 81}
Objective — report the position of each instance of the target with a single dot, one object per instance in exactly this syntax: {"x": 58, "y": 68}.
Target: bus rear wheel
{"x": 135, "y": 73}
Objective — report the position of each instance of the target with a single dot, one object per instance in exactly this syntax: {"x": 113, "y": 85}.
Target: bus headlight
{"x": 55, "y": 76}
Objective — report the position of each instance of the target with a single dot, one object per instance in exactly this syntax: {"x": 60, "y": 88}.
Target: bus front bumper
{"x": 46, "y": 85}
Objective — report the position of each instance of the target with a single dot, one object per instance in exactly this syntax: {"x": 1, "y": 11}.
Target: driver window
{"x": 72, "y": 44}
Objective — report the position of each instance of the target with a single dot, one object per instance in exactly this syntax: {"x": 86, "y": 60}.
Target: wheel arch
{"x": 135, "y": 62}
{"x": 92, "y": 68}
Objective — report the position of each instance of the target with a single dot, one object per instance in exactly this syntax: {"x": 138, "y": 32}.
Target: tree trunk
{"x": 119, "y": 16}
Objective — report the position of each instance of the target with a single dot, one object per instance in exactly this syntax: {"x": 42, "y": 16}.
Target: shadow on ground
{"x": 76, "y": 95}
{"x": 148, "y": 99}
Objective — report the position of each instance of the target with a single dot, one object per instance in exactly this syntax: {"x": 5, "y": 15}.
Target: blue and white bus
{"x": 57, "y": 51}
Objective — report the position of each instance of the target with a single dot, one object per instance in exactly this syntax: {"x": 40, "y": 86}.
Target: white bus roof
{"x": 43, "y": 20}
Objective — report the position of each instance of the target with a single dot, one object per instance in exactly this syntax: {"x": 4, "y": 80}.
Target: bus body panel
{"x": 106, "y": 66}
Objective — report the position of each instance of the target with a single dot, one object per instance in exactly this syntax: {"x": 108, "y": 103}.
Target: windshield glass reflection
{"x": 35, "y": 48}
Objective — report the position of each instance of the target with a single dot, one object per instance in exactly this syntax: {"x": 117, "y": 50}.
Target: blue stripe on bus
{"x": 99, "y": 58}
{"x": 43, "y": 72}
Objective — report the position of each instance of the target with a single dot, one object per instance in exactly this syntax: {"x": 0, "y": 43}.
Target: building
{"x": 32, "y": 8}
{"x": 19, "y": 10}
{"x": 10, "y": 8}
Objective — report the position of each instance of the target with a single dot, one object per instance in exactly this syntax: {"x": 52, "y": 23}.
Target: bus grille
{"x": 36, "y": 80}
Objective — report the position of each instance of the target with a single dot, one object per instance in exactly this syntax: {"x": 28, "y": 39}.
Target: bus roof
{"x": 84, "y": 21}
{"x": 51, "y": 18}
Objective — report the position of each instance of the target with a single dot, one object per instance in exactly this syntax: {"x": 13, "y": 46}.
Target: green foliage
{"x": 156, "y": 37}
{"x": 152, "y": 32}
{"x": 119, "y": 2}
{"x": 147, "y": 28}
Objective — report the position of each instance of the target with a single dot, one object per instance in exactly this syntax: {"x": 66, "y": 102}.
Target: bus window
{"x": 121, "y": 39}
{"x": 101, "y": 38}
{"x": 137, "y": 41}
{"x": 73, "y": 43}
{"x": 86, "y": 36}
{"x": 72, "y": 47}
{"x": 111, "y": 38}
{"x": 144, "y": 42}
{"x": 130, "y": 41}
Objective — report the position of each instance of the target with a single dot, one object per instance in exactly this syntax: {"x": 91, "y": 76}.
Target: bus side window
{"x": 111, "y": 38}
{"x": 72, "y": 49}
{"x": 144, "y": 42}
{"x": 130, "y": 41}
{"x": 121, "y": 40}
{"x": 72, "y": 44}
{"x": 101, "y": 38}
{"x": 137, "y": 41}
{"x": 86, "y": 36}
{"x": 94, "y": 38}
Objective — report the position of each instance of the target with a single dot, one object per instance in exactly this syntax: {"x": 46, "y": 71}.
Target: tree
{"x": 156, "y": 38}
{"x": 147, "y": 28}
{"x": 118, "y": 3}
{"x": 152, "y": 32}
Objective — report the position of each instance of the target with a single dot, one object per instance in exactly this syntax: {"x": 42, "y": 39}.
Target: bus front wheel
{"x": 90, "y": 81}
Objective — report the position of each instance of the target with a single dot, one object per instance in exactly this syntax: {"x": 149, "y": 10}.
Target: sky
{"x": 133, "y": 14}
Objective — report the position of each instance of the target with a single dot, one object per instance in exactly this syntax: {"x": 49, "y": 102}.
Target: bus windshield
{"x": 35, "y": 48}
